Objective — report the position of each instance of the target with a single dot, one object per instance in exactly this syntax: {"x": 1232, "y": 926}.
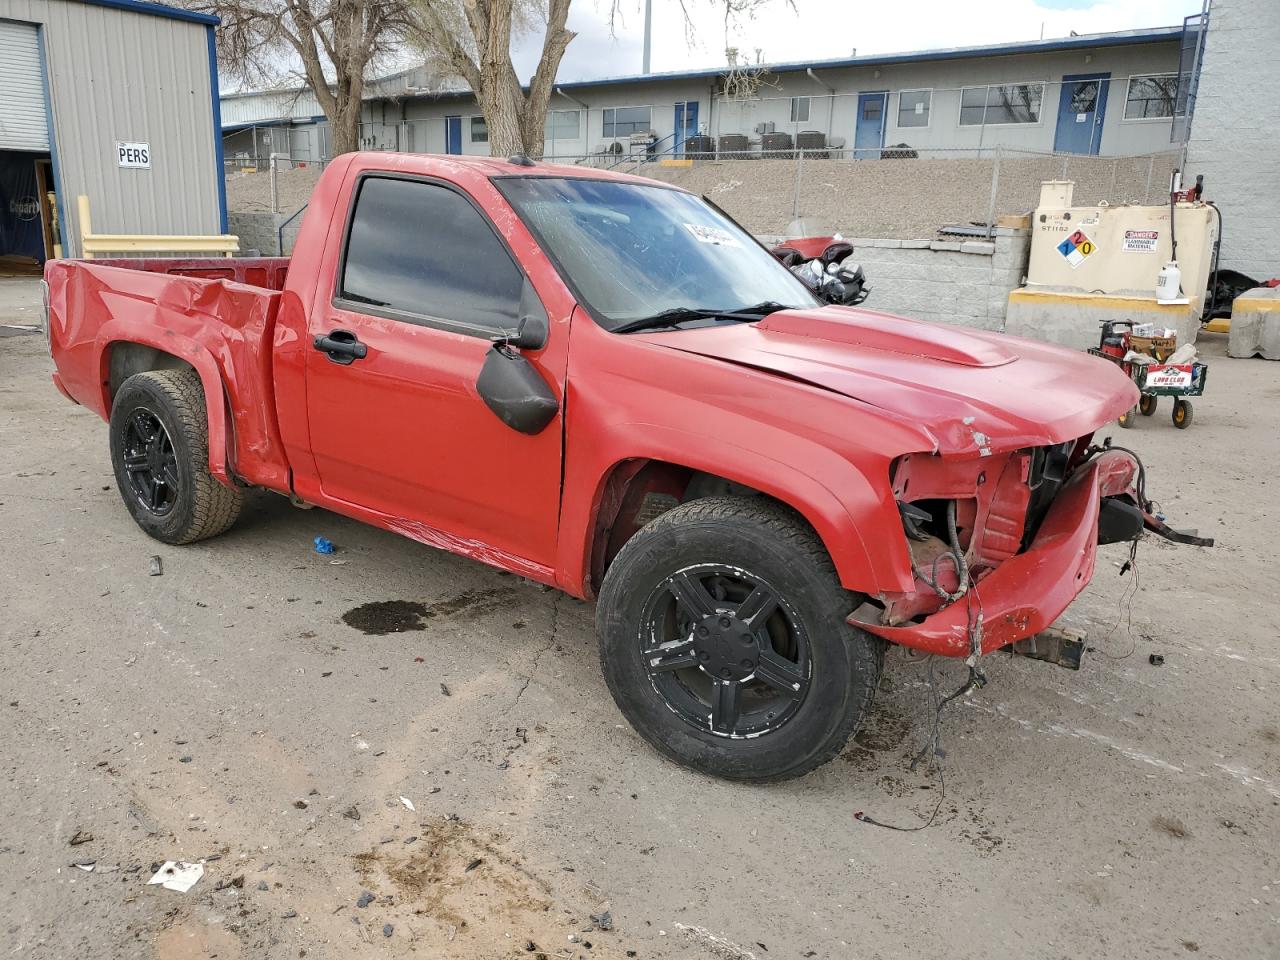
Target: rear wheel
{"x": 1182, "y": 413}
{"x": 723, "y": 641}
{"x": 1128, "y": 417}
{"x": 159, "y": 440}
{"x": 1147, "y": 404}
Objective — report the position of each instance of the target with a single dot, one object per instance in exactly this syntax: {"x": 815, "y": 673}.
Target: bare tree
{"x": 473, "y": 39}
{"x": 335, "y": 42}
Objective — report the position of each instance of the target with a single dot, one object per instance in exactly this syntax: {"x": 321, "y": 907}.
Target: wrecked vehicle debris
{"x": 177, "y": 876}
{"x": 760, "y": 489}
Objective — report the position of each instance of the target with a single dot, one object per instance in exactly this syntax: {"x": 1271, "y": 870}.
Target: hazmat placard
{"x": 1140, "y": 241}
{"x": 1077, "y": 248}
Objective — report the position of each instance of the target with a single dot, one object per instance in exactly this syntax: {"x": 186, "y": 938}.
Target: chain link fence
{"x": 894, "y": 193}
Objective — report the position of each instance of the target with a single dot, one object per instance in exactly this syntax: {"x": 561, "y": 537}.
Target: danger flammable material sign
{"x": 1076, "y": 248}
{"x": 1140, "y": 241}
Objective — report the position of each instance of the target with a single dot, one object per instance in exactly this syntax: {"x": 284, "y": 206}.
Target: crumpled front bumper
{"x": 1027, "y": 592}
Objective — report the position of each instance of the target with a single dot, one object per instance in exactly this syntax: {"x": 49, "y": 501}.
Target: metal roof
{"x": 1088, "y": 40}
{"x": 156, "y": 10}
{"x": 1084, "y": 41}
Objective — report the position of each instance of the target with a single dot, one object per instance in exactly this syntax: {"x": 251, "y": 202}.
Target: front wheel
{"x": 724, "y": 642}
{"x": 1182, "y": 413}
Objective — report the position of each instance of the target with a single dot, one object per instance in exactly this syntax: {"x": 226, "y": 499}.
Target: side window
{"x": 423, "y": 249}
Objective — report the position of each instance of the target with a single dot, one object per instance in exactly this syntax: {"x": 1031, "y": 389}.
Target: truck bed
{"x": 266, "y": 272}
{"x": 111, "y": 318}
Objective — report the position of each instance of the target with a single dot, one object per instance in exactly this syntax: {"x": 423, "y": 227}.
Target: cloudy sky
{"x": 818, "y": 29}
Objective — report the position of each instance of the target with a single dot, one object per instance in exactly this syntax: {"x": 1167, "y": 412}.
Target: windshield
{"x": 633, "y": 252}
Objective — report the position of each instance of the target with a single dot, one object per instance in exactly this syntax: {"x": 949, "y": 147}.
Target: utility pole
{"x": 648, "y": 33}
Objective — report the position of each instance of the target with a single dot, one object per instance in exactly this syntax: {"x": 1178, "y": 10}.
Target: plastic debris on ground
{"x": 324, "y": 545}
{"x": 178, "y": 875}
{"x": 85, "y": 865}
{"x": 407, "y": 802}
{"x": 156, "y": 568}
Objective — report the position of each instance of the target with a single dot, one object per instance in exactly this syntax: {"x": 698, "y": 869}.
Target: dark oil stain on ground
{"x": 381, "y": 617}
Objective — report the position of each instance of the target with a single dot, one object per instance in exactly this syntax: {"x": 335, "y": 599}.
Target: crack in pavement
{"x": 551, "y": 642}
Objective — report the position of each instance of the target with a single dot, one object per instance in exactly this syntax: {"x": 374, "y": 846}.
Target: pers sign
{"x": 135, "y": 155}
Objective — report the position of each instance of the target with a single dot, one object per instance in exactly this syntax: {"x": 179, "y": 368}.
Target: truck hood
{"x": 975, "y": 392}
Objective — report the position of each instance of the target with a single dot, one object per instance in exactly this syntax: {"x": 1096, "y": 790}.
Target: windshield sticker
{"x": 715, "y": 235}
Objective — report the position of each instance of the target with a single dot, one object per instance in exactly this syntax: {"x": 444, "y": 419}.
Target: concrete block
{"x": 981, "y": 247}
{"x": 945, "y": 245}
{"x": 1074, "y": 318}
{"x": 1255, "y": 325}
{"x": 916, "y": 244}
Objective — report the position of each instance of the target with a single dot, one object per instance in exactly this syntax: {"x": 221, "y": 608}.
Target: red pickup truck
{"x": 602, "y": 383}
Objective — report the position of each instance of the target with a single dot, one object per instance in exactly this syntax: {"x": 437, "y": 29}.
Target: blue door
{"x": 686, "y": 125}
{"x": 1081, "y": 107}
{"x": 452, "y": 134}
{"x": 868, "y": 134}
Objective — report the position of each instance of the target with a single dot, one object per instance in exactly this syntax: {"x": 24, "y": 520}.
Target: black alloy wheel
{"x": 150, "y": 462}
{"x": 724, "y": 651}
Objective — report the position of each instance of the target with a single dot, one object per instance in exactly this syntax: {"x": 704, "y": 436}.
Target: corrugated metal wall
{"x": 276, "y": 105}
{"x": 22, "y": 114}
{"x": 118, "y": 75}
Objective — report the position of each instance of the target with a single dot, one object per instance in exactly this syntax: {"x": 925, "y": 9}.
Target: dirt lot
{"x": 228, "y": 709}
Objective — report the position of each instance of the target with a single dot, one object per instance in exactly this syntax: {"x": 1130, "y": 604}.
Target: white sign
{"x": 1140, "y": 241}
{"x": 714, "y": 235}
{"x": 1169, "y": 376}
{"x": 134, "y": 155}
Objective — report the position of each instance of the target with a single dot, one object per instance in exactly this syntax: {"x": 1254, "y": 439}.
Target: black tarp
{"x": 21, "y": 231}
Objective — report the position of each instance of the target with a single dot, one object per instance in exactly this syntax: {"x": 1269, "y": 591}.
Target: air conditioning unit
{"x": 765, "y": 126}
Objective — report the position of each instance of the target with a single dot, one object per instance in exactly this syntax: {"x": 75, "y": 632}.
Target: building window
{"x": 1001, "y": 103}
{"x": 624, "y": 121}
{"x": 799, "y": 109}
{"x": 1151, "y": 97}
{"x": 913, "y": 108}
{"x": 563, "y": 125}
{"x": 479, "y": 130}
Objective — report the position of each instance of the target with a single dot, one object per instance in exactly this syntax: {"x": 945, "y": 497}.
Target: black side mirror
{"x": 508, "y": 383}
{"x": 531, "y": 331}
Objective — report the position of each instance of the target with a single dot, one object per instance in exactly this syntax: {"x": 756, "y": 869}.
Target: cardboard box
{"x": 1159, "y": 347}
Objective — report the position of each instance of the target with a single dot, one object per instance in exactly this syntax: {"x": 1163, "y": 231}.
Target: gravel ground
{"x": 228, "y": 709}
{"x": 905, "y": 199}
{"x": 251, "y": 192}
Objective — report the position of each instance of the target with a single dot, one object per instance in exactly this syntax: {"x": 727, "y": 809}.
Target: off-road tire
{"x": 203, "y": 507}
{"x": 762, "y": 536}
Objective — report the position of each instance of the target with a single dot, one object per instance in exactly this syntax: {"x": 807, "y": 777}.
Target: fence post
{"x": 1151, "y": 167}
{"x": 995, "y": 189}
{"x": 795, "y": 203}
{"x": 1111, "y": 194}
{"x": 1064, "y": 168}
{"x": 271, "y": 174}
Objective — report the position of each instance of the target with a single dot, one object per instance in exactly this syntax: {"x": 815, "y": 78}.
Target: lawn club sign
{"x": 133, "y": 156}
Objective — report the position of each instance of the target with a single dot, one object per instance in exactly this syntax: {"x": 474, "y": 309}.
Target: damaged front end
{"x": 1001, "y": 544}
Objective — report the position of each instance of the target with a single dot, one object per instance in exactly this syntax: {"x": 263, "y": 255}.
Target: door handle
{"x": 341, "y": 346}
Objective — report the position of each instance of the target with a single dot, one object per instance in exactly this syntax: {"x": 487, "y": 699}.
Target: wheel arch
{"x": 625, "y": 495}
{"x": 122, "y": 358}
